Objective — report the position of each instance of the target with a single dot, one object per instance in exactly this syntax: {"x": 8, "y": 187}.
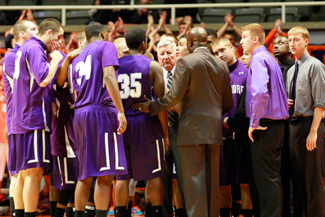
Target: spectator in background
{"x": 9, "y": 38}
{"x": 140, "y": 16}
{"x": 275, "y": 32}
{"x": 103, "y": 16}
{"x": 181, "y": 13}
{"x": 72, "y": 44}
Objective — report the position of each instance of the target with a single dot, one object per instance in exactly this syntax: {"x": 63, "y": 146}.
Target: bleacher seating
{"x": 80, "y": 17}
{"x": 213, "y": 15}
{"x": 39, "y": 16}
{"x": 249, "y": 15}
{"x": 21, "y": 2}
{"x": 291, "y": 14}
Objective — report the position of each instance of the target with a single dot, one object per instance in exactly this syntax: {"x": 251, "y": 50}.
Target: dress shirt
{"x": 166, "y": 74}
{"x": 310, "y": 85}
{"x": 266, "y": 96}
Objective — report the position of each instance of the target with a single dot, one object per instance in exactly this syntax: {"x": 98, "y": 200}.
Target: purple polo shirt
{"x": 266, "y": 95}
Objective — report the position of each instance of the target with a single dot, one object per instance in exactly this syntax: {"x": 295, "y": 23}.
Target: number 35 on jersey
{"x": 130, "y": 85}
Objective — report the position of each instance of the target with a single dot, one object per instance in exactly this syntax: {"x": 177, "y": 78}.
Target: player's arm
{"x": 157, "y": 80}
{"x": 63, "y": 70}
{"x": 113, "y": 90}
{"x": 56, "y": 58}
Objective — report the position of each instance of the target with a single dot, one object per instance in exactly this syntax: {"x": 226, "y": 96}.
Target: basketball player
{"x": 145, "y": 136}
{"x": 22, "y": 31}
{"x": 99, "y": 119}
{"x": 31, "y": 112}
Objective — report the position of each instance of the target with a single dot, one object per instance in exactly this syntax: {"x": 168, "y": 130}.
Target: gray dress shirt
{"x": 310, "y": 86}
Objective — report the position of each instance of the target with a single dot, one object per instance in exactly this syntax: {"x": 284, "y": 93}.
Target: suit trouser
{"x": 266, "y": 159}
{"x": 200, "y": 169}
{"x": 307, "y": 167}
{"x": 171, "y": 156}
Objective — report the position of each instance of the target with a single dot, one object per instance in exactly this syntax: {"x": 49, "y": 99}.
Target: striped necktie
{"x": 169, "y": 79}
{"x": 171, "y": 115}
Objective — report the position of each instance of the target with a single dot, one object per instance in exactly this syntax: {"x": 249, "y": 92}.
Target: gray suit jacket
{"x": 202, "y": 83}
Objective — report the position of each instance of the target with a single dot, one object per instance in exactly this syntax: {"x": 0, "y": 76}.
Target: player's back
{"x": 86, "y": 72}
{"x": 134, "y": 81}
{"x": 8, "y": 76}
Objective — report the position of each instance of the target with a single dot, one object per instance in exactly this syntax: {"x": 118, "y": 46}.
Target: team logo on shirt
{"x": 237, "y": 89}
{"x": 241, "y": 73}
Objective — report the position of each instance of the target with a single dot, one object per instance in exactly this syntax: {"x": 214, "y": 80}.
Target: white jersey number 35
{"x": 129, "y": 85}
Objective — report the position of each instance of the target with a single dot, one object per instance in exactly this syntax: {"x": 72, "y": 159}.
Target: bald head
{"x": 197, "y": 37}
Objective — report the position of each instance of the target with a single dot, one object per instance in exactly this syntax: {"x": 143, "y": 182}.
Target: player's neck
{"x": 95, "y": 39}
{"x": 134, "y": 52}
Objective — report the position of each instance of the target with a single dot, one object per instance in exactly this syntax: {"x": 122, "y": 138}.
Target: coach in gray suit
{"x": 201, "y": 82}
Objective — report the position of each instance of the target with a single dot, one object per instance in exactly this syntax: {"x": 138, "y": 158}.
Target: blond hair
{"x": 299, "y": 30}
{"x": 20, "y": 26}
{"x": 224, "y": 41}
{"x": 255, "y": 29}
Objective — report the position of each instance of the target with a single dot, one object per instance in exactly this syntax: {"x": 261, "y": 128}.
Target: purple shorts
{"x": 144, "y": 148}
{"x": 12, "y": 154}
{"x": 65, "y": 173}
{"x": 30, "y": 150}
{"x": 100, "y": 149}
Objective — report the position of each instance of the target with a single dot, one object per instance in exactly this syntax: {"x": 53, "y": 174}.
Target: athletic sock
{"x": 157, "y": 211}
{"x": 59, "y": 212}
{"x": 225, "y": 212}
{"x": 19, "y": 212}
{"x": 247, "y": 212}
{"x": 52, "y": 208}
{"x": 129, "y": 209}
{"x": 148, "y": 210}
{"x": 12, "y": 206}
{"x": 69, "y": 212}
{"x": 89, "y": 211}
{"x": 101, "y": 213}
{"x": 180, "y": 212}
{"x": 120, "y": 211}
{"x": 79, "y": 213}
{"x": 235, "y": 209}
{"x": 30, "y": 214}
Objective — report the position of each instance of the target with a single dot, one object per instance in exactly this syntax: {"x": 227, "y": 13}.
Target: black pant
{"x": 266, "y": 159}
{"x": 307, "y": 168}
{"x": 171, "y": 156}
{"x": 286, "y": 174}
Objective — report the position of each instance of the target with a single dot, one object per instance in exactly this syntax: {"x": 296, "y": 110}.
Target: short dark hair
{"x": 93, "y": 30}
{"x": 47, "y": 24}
{"x": 19, "y": 27}
{"x": 211, "y": 32}
{"x": 134, "y": 37}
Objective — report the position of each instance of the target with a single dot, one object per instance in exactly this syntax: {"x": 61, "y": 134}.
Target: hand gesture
{"x": 143, "y": 106}
{"x": 251, "y": 130}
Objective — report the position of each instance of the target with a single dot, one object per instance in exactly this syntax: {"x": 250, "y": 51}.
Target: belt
{"x": 298, "y": 120}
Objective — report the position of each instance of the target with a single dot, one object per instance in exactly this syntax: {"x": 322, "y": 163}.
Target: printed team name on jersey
{"x": 237, "y": 89}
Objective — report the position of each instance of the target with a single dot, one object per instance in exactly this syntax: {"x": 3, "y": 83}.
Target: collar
{"x": 262, "y": 48}
{"x": 166, "y": 72}
{"x": 199, "y": 48}
{"x": 39, "y": 41}
{"x": 233, "y": 66}
{"x": 303, "y": 58}
{"x": 289, "y": 63}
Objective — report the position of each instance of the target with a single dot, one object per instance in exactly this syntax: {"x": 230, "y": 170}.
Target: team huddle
{"x": 96, "y": 114}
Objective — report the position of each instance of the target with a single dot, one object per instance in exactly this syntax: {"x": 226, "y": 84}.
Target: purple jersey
{"x": 62, "y": 138}
{"x": 31, "y": 102}
{"x": 86, "y": 74}
{"x": 134, "y": 81}
{"x": 238, "y": 75}
{"x": 8, "y": 69}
